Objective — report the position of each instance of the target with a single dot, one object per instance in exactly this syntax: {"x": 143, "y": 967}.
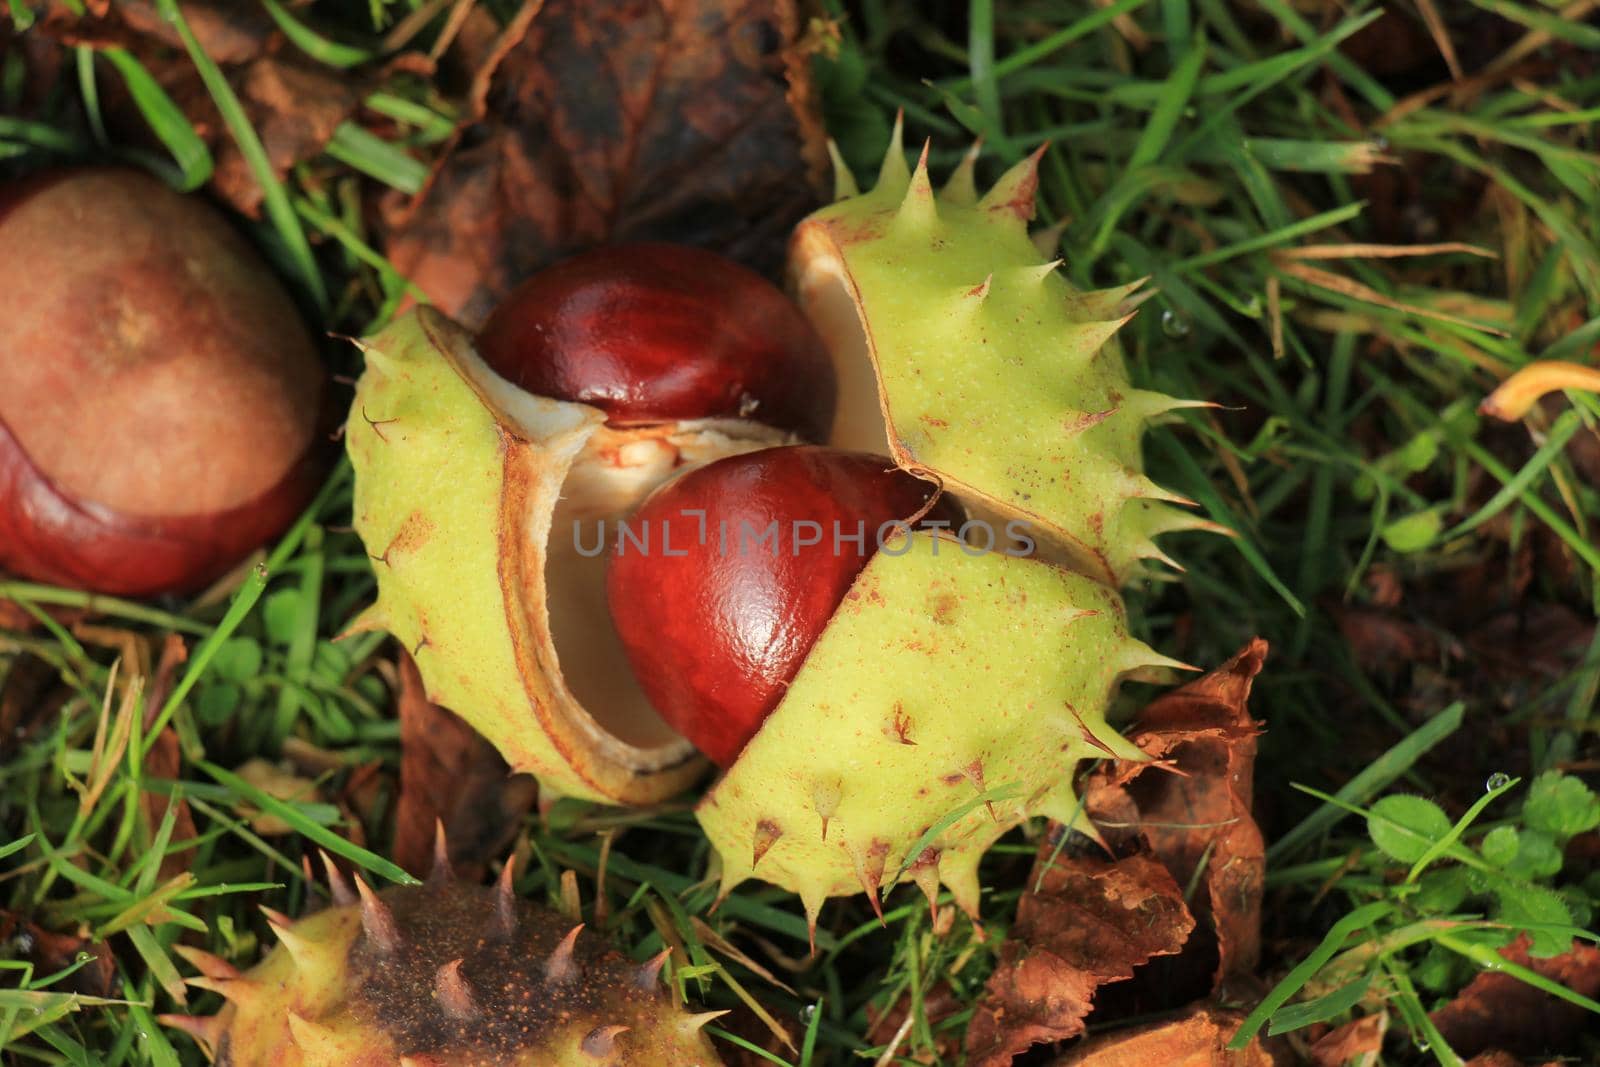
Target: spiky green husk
{"x": 458, "y": 478}
{"x": 971, "y": 360}
{"x": 949, "y": 698}
{"x": 442, "y": 975}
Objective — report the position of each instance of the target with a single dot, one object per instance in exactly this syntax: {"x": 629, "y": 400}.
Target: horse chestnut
{"x": 653, "y": 333}
{"x": 160, "y": 394}
{"x": 723, "y": 580}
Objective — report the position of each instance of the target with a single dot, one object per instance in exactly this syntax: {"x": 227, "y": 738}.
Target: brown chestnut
{"x": 723, "y": 580}
{"x": 159, "y": 393}
{"x": 654, "y": 333}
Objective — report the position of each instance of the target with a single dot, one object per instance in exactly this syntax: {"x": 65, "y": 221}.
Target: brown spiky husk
{"x": 445, "y": 974}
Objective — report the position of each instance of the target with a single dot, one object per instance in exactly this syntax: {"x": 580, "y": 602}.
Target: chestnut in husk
{"x": 723, "y": 580}
{"x": 653, "y": 333}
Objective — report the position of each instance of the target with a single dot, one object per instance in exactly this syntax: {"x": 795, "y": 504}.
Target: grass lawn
{"x": 1358, "y": 223}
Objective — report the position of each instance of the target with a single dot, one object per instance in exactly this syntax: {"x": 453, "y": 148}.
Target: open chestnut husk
{"x": 161, "y": 394}
{"x": 487, "y": 507}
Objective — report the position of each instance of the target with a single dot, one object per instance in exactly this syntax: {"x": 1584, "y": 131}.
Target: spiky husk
{"x": 466, "y": 489}
{"x": 949, "y": 698}
{"x": 967, "y": 356}
{"x": 442, "y": 975}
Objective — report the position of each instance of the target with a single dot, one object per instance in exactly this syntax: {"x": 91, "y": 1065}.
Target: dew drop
{"x": 1497, "y": 780}
{"x": 1174, "y": 325}
{"x": 84, "y": 957}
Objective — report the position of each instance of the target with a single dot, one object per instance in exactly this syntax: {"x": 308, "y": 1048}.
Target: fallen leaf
{"x": 1089, "y": 922}
{"x": 295, "y": 106}
{"x": 1383, "y": 642}
{"x": 50, "y": 952}
{"x": 448, "y": 772}
{"x": 31, "y": 695}
{"x": 294, "y": 103}
{"x": 688, "y": 121}
{"x": 165, "y": 759}
{"x": 1496, "y": 1059}
{"x": 1355, "y": 1038}
{"x": 1198, "y": 1038}
{"x": 279, "y": 784}
{"x": 229, "y": 32}
{"x": 1535, "y": 643}
{"x": 1497, "y": 1011}
{"x": 1192, "y": 802}
{"x": 939, "y": 1003}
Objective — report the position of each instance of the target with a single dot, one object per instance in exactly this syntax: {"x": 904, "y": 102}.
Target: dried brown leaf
{"x": 295, "y": 106}
{"x": 50, "y": 952}
{"x": 1090, "y": 922}
{"x": 294, "y": 103}
{"x": 1358, "y": 1037}
{"x": 1497, "y": 1011}
{"x": 165, "y": 759}
{"x": 615, "y": 121}
{"x": 31, "y": 694}
{"x": 1198, "y": 1038}
{"x": 1192, "y": 802}
{"x": 938, "y": 1004}
{"x": 450, "y": 773}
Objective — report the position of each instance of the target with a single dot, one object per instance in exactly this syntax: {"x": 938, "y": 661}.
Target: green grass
{"x": 1239, "y": 155}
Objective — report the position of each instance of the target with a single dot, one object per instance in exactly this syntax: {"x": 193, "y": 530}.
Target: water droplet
{"x": 1497, "y": 780}
{"x": 1174, "y": 325}
{"x": 84, "y": 957}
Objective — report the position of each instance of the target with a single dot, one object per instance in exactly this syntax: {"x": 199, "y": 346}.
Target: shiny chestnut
{"x": 653, "y": 333}
{"x": 723, "y": 580}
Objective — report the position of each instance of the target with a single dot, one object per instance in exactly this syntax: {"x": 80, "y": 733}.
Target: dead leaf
{"x": 31, "y": 695}
{"x": 1192, "y": 802}
{"x": 50, "y": 952}
{"x": 1497, "y": 1059}
{"x": 294, "y": 103}
{"x": 1384, "y": 642}
{"x": 939, "y": 1003}
{"x": 229, "y": 32}
{"x": 279, "y": 784}
{"x": 1497, "y": 1011}
{"x": 1089, "y": 923}
{"x": 1355, "y": 1038}
{"x": 1199, "y": 1038}
{"x": 690, "y": 121}
{"x": 450, "y": 773}
{"x": 165, "y": 759}
{"x": 295, "y": 106}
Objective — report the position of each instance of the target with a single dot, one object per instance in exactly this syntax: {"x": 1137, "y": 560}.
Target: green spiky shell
{"x": 949, "y": 698}
{"x": 442, "y": 975}
{"x": 458, "y": 475}
{"x": 972, "y": 361}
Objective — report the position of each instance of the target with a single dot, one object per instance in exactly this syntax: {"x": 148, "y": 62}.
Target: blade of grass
{"x": 1374, "y": 778}
{"x": 328, "y": 52}
{"x": 276, "y": 200}
{"x": 1291, "y": 984}
{"x": 243, "y": 602}
{"x": 290, "y": 814}
{"x": 167, "y": 121}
